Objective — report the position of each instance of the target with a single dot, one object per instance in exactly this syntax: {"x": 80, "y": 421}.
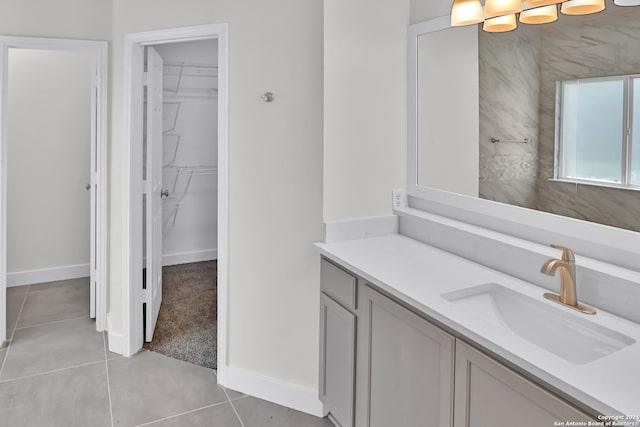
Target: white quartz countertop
{"x": 418, "y": 274}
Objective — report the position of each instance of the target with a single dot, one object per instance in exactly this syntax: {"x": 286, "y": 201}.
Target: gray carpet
{"x": 187, "y": 323}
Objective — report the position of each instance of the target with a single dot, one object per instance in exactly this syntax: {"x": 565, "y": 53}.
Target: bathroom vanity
{"x": 412, "y": 335}
{"x": 437, "y": 315}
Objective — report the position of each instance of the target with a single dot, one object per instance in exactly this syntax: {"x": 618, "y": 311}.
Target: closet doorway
{"x": 176, "y": 128}
{"x": 180, "y": 202}
{"x": 53, "y": 163}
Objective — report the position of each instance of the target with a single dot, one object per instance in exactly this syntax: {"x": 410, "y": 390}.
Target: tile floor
{"x": 57, "y": 371}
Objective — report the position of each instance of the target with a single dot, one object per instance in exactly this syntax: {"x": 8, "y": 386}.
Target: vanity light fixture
{"x": 537, "y": 3}
{"x": 493, "y": 8}
{"x": 499, "y": 15}
{"x": 466, "y": 12}
{"x": 582, "y": 7}
{"x": 500, "y": 24}
{"x": 540, "y": 15}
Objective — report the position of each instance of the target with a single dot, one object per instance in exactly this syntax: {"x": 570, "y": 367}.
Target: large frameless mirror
{"x": 542, "y": 117}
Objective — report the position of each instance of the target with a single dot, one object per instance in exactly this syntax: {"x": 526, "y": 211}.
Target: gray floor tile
{"x": 15, "y": 297}
{"x": 54, "y": 301}
{"x": 71, "y": 398}
{"x": 258, "y": 413}
{"x": 53, "y": 346}
{"x": 234, "y": 394}
{"x": 150, "y": 386}
{"x": 220, "y": 416}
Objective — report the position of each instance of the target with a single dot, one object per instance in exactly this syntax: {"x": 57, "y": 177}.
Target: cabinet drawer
{"x": 338, "y": 284}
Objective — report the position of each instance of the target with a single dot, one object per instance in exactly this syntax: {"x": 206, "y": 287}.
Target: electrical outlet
{"x": 398, "y": 199}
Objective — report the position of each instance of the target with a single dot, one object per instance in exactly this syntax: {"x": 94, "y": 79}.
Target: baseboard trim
{"x": 187, "y": 257}
{"x": 115, "y": 340}
{"x": 292, "y": 396}
{"x": 55, "y": 274}
{"x": 116, "y": 343}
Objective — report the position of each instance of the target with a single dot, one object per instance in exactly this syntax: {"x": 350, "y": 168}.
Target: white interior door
{"x": 92, "y": 188}
{"x": 153, "y": 287}
{"x": 4, "y": 55}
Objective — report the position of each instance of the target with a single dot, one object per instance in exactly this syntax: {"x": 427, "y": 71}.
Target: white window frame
{"x": 627, "y": 135}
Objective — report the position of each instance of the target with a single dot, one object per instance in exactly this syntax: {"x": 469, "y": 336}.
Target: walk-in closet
{"x": 186, "y": 325}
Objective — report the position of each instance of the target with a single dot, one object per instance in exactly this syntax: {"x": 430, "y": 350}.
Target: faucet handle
{"x": 567, "y": 254}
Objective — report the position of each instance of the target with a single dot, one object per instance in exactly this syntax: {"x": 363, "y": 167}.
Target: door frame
{"x": 131, "y": 248}
{"x": 99, "y": 51}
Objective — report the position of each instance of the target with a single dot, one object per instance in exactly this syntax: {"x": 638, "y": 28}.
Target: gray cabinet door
{"x": 337, "y": 360}
{"x": 489, "y": 394}
{"x": 408, "y": 375}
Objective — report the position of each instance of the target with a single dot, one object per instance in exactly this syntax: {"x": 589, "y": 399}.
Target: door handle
{"x": 87, "y": 187}
{"x": 164, "y": 193}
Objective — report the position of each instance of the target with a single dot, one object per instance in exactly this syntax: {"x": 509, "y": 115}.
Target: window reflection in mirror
{"x": 635, "y": 136}
{"x": 592, "y": 130}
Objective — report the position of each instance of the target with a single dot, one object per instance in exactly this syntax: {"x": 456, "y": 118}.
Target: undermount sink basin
{"x": 565, "y": 334}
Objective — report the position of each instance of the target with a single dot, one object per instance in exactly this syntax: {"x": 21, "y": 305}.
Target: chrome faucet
{"x": 567, "y": 266}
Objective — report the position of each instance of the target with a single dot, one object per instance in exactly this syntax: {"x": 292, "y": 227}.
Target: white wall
{"x": 81, "y": 19}
{"x": 49, "y": 128}
{"x": 275, "y": 174}
{"x": 424, "y": 10}
{"x": 365, "y": 117}
{"x": 190, "y": 213}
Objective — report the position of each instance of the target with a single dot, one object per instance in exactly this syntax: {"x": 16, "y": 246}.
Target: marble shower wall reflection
{"x": 518, "y": 73}
{"x": 509, "y": 79}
